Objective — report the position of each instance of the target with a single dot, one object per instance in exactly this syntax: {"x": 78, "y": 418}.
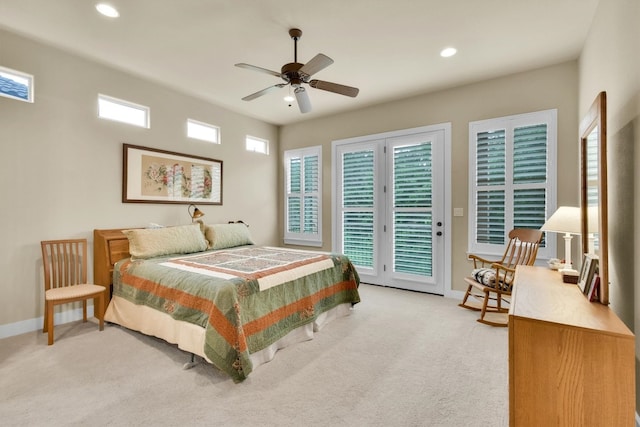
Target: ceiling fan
{"x": 297, "y": 74}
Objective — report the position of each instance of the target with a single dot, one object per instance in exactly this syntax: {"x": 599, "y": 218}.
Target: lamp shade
{"x": 197, "y": 213}
{"x": 565, "y": 220}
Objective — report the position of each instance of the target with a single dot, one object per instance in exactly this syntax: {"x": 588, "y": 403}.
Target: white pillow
{"x": 152, "y": 242}
{"x": 221, "y": 236}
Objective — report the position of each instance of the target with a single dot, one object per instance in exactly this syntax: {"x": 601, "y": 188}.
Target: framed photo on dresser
{"x": 587, "y": 271}
{"x": 592, "y": 291}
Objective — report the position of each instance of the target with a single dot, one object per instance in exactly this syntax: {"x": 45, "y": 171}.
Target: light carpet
{"x": 401, "y": 359}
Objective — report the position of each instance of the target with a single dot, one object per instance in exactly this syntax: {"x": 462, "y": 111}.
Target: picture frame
{"x": 593, "y": 288}
{"x": 150, "y": 175}
{"x": 587, "y": 271}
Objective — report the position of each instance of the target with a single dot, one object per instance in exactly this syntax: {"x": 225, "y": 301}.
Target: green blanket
{"x": 246, "y": 298}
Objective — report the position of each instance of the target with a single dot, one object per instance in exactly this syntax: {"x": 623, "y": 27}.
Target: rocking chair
{"x": 491, "y": 282}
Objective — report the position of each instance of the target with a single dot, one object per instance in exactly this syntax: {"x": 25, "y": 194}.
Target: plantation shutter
{"x": 294, "y": 195}
{"x": 511, "y": 180}
{"x": 310, "y": 202}
{"x": 412, "y": 217}
{"x": 592, "y": 168}
{"x": 592, "y": 179}
{"x": 358, "y": 204}
{"x": 303, "y": 202}
{"x": 529, "y": 176}
{"x": 490, "y": 180}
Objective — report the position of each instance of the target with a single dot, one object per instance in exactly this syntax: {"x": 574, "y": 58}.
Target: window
{"x": 16, "y": 84}
{"x": 123, "y": 111}
{"x": 512, "y": 178}
{"x": 203, "y": 131}
{"x": 303, "y": 201}
{"x": 257, "y": 145}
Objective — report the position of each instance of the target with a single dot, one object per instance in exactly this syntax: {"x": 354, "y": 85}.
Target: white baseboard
{"x": 24, "y": 326}
{"x": 637, "y": 420}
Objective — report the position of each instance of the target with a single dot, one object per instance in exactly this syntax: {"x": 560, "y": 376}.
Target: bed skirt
{"x": 190, "y": 337}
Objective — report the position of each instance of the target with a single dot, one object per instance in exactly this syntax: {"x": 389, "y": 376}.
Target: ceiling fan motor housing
{"x": 291, "y": 75}
{"x": 295, "y": 33}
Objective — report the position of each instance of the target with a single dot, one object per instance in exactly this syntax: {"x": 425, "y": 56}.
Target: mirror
{"x": 593, "y": 182}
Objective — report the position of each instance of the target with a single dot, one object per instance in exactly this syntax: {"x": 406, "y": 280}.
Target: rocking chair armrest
{"x": 499, "y": 267}
{"x": 506, "y": 275}
{"x": 479, "y": 260}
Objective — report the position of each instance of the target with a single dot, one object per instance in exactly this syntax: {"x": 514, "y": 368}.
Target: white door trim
{"x": 446, "y": 127}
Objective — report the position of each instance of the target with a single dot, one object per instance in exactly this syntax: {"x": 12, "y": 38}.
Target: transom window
{"x": 203, "y": 131}
{"x": 257, "y": 145}
{"x": 16, "y": 84}
{"x": 111, "y": 108}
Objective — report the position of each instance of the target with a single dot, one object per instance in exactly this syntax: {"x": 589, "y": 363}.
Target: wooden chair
{"x": 492, "y": 281}
{"x": 65, "y": 280}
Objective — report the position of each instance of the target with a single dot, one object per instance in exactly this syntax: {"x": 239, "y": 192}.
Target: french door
{"x": 389, "y": 208}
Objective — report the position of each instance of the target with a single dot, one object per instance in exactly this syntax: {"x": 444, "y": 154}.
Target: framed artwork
{"x": 150, "y": 175}
{"x": 587, "y": 271}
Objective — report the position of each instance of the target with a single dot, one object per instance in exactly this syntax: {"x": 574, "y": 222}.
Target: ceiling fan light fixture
{"x": 289, "y": 98}
{"x": 107, "y": 10}
{"x": 448, "y": 52}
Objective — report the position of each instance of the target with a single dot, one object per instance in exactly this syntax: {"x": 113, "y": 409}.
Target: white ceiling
{"x": 389, "y": 49}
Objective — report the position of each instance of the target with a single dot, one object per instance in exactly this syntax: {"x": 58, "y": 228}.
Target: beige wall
{"x": 62, "y": 166}
{"x": 547, "y": 88}
{"x": 611, "y": 62}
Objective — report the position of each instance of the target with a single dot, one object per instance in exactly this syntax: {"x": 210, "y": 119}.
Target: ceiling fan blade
{"x": 262, "y": 92}
{"x": 303, "y": 99}
{"x": 317, "y": 63}
{"x": 335, "y": 88}
{"x": 259, "y": 69}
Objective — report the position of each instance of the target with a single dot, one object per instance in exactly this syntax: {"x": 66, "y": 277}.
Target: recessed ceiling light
{"x": 447, "y": 52}
{"x": 289, "y": 98}
{"x": 107, "y": 10}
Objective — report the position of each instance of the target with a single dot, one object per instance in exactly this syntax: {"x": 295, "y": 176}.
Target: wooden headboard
{"x": 109, "y": 247}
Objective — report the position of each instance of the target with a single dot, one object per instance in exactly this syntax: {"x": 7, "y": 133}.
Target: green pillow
{"x": 221, "y": 236}
{"x": 152, "y": 242}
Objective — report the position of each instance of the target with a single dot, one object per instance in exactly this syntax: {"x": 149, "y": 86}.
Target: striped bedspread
{"x": 246, "y": 298}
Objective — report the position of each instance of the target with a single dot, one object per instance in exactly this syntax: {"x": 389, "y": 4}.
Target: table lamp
{"x": 565, "y": 220}
{"x": 196, "y": 214}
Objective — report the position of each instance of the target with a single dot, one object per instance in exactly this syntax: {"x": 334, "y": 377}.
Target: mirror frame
{"x": 596, "y": 118}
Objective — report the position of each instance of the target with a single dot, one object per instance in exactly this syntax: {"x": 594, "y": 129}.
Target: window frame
{"x": 20, "y": 75}
{"x": 301, "y": 238}
{"x": 201, "y": 124}
{"x": 128, "y": 104}
{"x": 256, "y": 139}
{"x": 509, "y": 123}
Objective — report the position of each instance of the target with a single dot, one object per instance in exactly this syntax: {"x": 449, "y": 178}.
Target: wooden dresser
{"x": 571, "y": 362}
{"x": 109, "y": 247}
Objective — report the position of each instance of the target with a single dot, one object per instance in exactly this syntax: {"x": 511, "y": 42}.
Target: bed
{"x": 215, "y": 294}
